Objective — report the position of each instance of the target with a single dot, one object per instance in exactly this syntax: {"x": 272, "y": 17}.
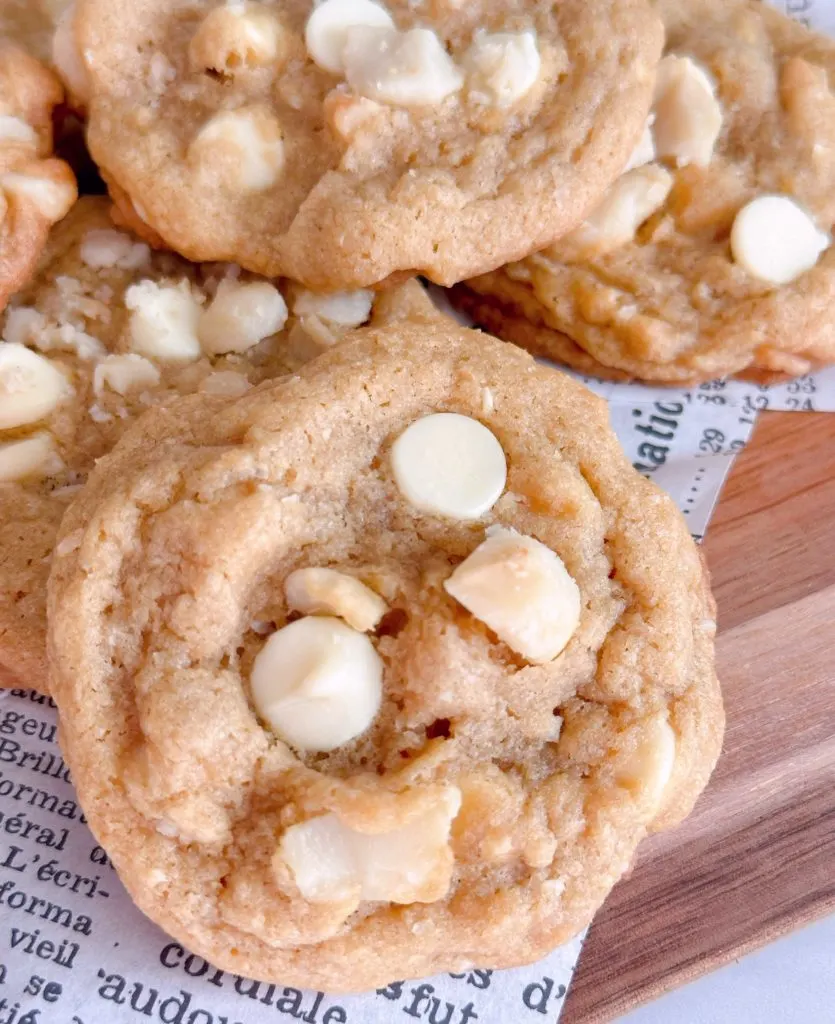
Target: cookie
{"x": 108, "y": 330}
{"x": 30, "y": 24}
{"x": 384, "y": 669}
{"x": 712, "y": 256}
{"x": 343, "y": 143}
{"x": 36, "y": 190}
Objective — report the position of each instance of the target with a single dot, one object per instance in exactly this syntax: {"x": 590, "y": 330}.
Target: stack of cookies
{"x": 374, "y": 655}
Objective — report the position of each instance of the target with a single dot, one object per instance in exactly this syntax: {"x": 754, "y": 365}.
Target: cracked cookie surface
{"x": 691, "y": 292}
{"x": 496, "y": 778}
{"x": 110, "y": 329}
{"x": 438, "y": 138}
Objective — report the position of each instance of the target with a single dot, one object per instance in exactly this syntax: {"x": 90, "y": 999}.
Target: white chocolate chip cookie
{"x": 110, "y": 329}
{"x": 36, "y": 189}
{"x": 353, "y": 721}
{"x": 712, "y": 256}
{"x": 341, "y": 142}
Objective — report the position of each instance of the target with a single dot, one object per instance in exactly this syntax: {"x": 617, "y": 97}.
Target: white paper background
{"x": 74, "y": 950}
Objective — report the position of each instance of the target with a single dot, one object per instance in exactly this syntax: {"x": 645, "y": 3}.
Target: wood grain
{"x": 755, "y": 859}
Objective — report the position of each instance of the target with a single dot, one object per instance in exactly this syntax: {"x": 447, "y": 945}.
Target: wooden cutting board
{"x": 756, "y": 859}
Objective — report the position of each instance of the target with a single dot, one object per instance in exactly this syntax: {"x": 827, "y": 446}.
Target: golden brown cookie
{"x": 108, "y": 330}
{"x": 345, "y": 142}
{"x": 36, "y": 190}
{"x": 712, "y": 255}
{"x": 31, "y": 24}
{"x": 384, "y": 669}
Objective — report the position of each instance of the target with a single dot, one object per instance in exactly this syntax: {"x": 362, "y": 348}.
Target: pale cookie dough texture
{"x": 700, "y": 271}
{"x": 342, "y": 143}
{"x": 442, "y": 799}
{"x": 109, "y": 330}
{"x": 36, "y": 190}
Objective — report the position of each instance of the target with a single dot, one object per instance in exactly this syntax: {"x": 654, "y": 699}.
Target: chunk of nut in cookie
{"x": 339, "y": 309}
{"x": 776, "y": 240}
{"x": 28, "y": 457}
{"x": 31, "y": 387}
{"x": 235, "y": 37}
{"x": 346, "y": 114}
{"x": 320, "y": 591}
{"x": 401, "y": 68}
{"x": 317, "y": 683}
{"x": 631, "y": 200}
{"x": 644, "y": 151}
{"x": 327, "y": 28}
{"x": 411, "y": 864}
{"x": 163, "y": 321}
{"x": 451, "y": 465}
{"x": 124, "y": 373}
{"x": 688, "y": 117}
{"x": 649, "y": 764}
{"x": 243, "y": 149}
{"x": 241, "y": 314}
{"x": 51, "y": 198}
{"x": 522, "y": 591}
{"x": 501, "y": 67}
{"x": 103, "y": 248}
{"x": 14, "y": 129}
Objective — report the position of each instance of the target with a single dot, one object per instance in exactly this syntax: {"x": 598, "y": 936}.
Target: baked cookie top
{"x": 36, "y": 190}
{"x": 383, "y": 669}
{"x": 30, "y": 24}
{"x": 343, "y": 142}
{"x": 110, "y": 329}
{"x": 712, "y": 255}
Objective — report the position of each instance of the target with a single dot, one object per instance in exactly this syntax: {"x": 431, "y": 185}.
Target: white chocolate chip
{"x": 502, "y": 67}
{"x": 688, "y": 117}
{"x": 24, "y": 325}
{"x": 631, "y": 200}
{"x": 124, "y": 373}
{"x": 403, "y": 68}
{"x": 233, "y": 37}
{"x": 316, "y": 591}
{"x": 30, "y": 386}
{"x": 240, "y": 316}
{"x": 106, "y": 248}
{"x": 31, "y": 456}
{"x": 53, "y": 199}
{"x": 244, "y": 146}
{"x": 317, "y": 683}
{"x": 327, "y": 28}
{"x": 14, "y": 129}
{"x": 450, "y": 465}
{"x": 776, "y": 240}
{"x": 520, "y": 589}
{"x": 411, "y": 864}
{"x": 66, "y": 56}
{"x": 225, "y": 382}
{"x": 163, "y": 322}
{"x": 344, "y": 309}
{"x": 644, "y": 151}
{"x": 649, "y": 767}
